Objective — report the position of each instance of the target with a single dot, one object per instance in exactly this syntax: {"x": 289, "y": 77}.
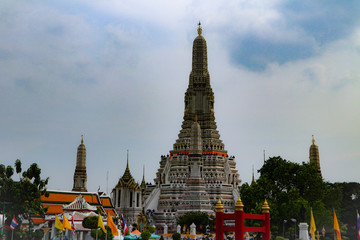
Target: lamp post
{"x": 294, "y": 221}
{"x": 285, "y": 221}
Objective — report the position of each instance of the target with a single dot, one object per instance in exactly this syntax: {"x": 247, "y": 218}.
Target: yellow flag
{"x": 101, "y": 224}
{"x": 58, "y": 224}
{"x": 336, "y": 227}
{"x": 312, "y": 226}
{"x": 112, "y": 226}
{"x": 66, "y": 223}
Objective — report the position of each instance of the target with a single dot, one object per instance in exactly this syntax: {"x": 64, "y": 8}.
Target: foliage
{"x": 145, "y": 235}
{"x": 90, "y": 222}
{"x": 176, "y": 236}
{"x": 349, "y": 204}
{"x": 34, "y": 235}
{"x": 101, "y": 234}
{"x": 291, "y": 190}
{"x": 150, "y": 228}
{"x": 161, "y": 238}
{"x": 22, "y": 197}
{"x": 200, "y": 219}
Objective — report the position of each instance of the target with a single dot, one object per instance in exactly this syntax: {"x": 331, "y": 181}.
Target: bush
{"x": 145, "y": 235}
{"x": 90, "y": 222}
{"x": 151, "y": 229}
{"x": 176, "y": 236}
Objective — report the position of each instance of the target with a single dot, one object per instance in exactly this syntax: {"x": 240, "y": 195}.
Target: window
{"x": 131, "y": 199}
{"x": 119, "y": 198}
{"x": 137, "y": 199}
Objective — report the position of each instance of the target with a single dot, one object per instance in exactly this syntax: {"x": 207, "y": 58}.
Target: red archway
{"x": 239, "y": 216}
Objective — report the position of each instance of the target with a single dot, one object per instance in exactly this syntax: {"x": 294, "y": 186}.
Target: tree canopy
{"x": 349, "y": 204}
{"x": 200, "y": 219}
{"x": 150, "y": 228}
{"x": 291, "y": 190}
{"x": 23, "y": 197}
{"x": 145, "y": 235}
{"x": 90, "y": 222}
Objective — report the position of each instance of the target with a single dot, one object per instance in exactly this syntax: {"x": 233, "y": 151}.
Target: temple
{"x": 198, "y": 171}
{"x": 127, "y": 196}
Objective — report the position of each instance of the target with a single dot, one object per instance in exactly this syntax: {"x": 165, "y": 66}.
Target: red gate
{"x": 239, "y": 216}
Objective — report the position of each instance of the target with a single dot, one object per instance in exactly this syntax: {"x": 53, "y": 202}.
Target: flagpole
{"x": 12, "y": 234}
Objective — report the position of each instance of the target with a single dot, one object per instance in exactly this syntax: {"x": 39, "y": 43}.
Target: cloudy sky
{"x": 116, "y": 71}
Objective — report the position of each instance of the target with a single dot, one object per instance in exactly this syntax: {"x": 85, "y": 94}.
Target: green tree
{"x": 145, "y": 235}
{"x": 90, "y": 222}
{"x": 101, "y": 235}
{"x": 200, "y": 219}
{"x": 150, "y": 228}
{"x": 349, "y": 204}
{"x": 176, "y": 236}
{"x": 291, "y": 190}
{"x": 22, "y": 197}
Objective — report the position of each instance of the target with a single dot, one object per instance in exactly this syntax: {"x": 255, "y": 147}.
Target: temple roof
{"x": 79, "y": 204}
{"x": 59, "y": 199}
{"x": 127, "y": 180}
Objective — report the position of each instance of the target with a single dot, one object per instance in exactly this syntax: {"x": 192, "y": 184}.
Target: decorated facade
{"x": 127, "y": 196}
{"x": 198, "y": 171}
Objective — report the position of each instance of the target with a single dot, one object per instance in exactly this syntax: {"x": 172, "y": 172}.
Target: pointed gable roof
{"x": 127, "y": 180}
{"x": 79, "y": 204}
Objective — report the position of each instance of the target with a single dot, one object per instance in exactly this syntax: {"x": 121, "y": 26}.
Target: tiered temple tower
{"x": 127, "y": 196}
{"x": 314, "y": 155}
{"x": 80, "y": 176}
{"x": 198, "y": 168}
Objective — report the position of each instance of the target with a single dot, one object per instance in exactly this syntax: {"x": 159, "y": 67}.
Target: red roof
{"x": 56, "y": 199}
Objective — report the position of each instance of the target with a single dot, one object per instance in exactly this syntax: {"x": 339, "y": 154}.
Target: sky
{"x": 116, "y": 72}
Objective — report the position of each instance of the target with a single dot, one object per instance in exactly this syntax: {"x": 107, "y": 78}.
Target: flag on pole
{"x": 66, "y": 223}
{"x": 336, "y": 227}
{"x": 101, "y": 224}
{"x": 73, "y": 225}
{"x": 13, "y": 223}
{"x": 312, "y": 226}
{"x": 58, "y": 224}
{"x": 123, "y": 224}
{"x": 358, "y": 224}
{"x": 112, "y": 226}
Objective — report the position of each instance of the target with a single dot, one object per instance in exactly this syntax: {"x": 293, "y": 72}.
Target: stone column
{"x": 178, "y": 229}
{"x": 303, "y": 231}
{"x": 166, "y": 231}
{"x": 193, "y": 231}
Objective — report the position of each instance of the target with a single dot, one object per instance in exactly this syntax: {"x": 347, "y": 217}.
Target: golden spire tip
{"x": 199, "y": 29}
{"x": 313, "y": 140}
{"x": 82, "y": 139}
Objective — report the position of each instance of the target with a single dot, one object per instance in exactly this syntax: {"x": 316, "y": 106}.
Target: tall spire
{"x": 127, "y": 159}
{"x": 199, "y": 102}
{"x": 80, "y": 176}
{"x": 253, "y": 176}
{"x": 127, "y": 174}
{"x": 314, "y": 155}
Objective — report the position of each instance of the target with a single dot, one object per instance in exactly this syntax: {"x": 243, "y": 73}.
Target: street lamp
{"x": 294, "y": 221}
{"x": 285, "y": 221}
